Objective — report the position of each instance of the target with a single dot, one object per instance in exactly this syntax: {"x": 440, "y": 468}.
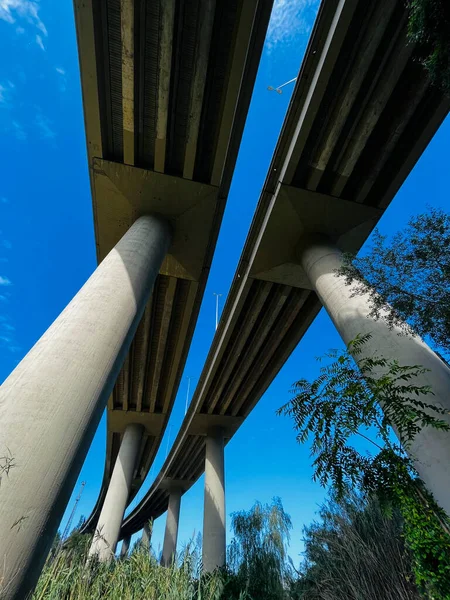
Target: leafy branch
{"x": 357, "y": 396}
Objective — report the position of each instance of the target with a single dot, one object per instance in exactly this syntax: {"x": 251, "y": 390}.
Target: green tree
{"x": 408, "y": 277}
{"x": 355, "y": 550}
{"x": 257, "y": 555}
{"x": 350, "y": 401}
{"x": 428, "y": 27}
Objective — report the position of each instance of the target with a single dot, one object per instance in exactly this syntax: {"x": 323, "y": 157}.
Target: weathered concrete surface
{"x": 171, "y": 532}
{"x": 107, "y": 531}
{"x": 51, "y": 404}
{"x": 430, "y": 449}
{"x": 214, "y": 535}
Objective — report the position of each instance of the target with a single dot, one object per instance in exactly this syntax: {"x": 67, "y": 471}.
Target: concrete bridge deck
{"x": 166, "y": 90}
{"x": 361, "y": 114}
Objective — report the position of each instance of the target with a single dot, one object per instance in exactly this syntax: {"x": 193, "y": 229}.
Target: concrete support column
{"x": 146, "y": 535}
{"x": 171, "y": 532}
{"x": 125, "y": 547}
{"x": 51, "y": 404}
{"x": 214, "y": 536}
{"x": 431, "y": 448}
{"x": 107, "y": 531}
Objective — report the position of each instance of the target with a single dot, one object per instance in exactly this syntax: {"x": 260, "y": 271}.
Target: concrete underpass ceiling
{"x": 123, "y": 193}
{"x": 298, "y": 213}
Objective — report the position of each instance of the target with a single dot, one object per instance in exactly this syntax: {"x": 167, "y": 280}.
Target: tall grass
{"x": 139, "y": 576}
{"x": 355, "y": 551}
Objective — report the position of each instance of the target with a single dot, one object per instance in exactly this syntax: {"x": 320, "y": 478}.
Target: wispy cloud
{"x": 11, "y": 10}
{"x": 63, "y": 78}
{"x": 39, "y": 42}
{"x": 44, "y": 125}
{"x": 6, "y": 328}
{"x": 289, "y": 19}
{"x": 4, "y": 281}
{"x": 6, "y": 90}
{"x": 6, "y": 244}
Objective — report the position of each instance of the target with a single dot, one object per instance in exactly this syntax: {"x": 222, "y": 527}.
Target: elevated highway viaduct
{"x": 362, "y": 113}
{"x": 166, "y": 89}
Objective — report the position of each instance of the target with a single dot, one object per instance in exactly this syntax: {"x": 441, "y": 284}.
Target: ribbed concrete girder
{"x": 166, "y": 89}
{"x": 362, "y": 113}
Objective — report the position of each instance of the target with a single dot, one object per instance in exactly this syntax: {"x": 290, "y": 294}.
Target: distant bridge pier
{"x": 171, "y": 532}
{"x": 51, "y": 404}
{"x": 146, "y": 537}
{"x": 107, "y": 531}
{"x": 430, "y": 449}
{"x": 125, "y": 547}
{"x": 214, "y": 533}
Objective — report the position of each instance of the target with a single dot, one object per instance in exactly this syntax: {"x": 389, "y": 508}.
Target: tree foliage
{"x": 354, "y": 550}
{"x": 428, "y": 27}
{"x": 257, "y": 555}
{"x": 408, "y": 277}
{"x": 365, "y": 398}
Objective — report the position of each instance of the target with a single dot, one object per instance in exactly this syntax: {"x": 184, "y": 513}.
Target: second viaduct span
{"x": 360, "y": 117}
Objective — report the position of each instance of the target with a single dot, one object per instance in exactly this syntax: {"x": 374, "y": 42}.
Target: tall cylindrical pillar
{"x": 214, "y": 537}
{"x": 146, "y": 537}
{"x": 125, "y": 546}
{"x": 51, "y": 404}
{"x": 171, "y": 532}
{"x": 430, "y": 449}
{"x": 107, "y": 531}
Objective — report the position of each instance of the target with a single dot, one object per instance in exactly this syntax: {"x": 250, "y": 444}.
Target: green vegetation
{"x": 355, "y": 551}
{"x": 140, "y": 576}
{"x": 257, "y": 556}
{"x": 257, "y": 567}
{"x": 408, "y": 277}
{"x": 428, "y": 27}
{"x": 350, "y": 401}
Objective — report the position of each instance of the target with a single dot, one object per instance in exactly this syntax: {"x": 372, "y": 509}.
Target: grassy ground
{"x": 139, "y": 576}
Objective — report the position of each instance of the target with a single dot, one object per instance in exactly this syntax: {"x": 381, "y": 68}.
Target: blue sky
{"x": 47, "y": 241}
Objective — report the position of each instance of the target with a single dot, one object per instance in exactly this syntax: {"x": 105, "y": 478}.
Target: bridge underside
{"x": 362, "y": 113}
{"x": 166, "y": 89}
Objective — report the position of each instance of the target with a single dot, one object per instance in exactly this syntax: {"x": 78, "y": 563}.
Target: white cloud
{"x": 5, "y": 92}
{"x": 44, "y": 126}
{"x": 63, "y": 78}
{"x": 11, "y": 10}
{"x": 5, "y": 281}
{"x": 289, "y": 19}
{"x": 39, "y": 42}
